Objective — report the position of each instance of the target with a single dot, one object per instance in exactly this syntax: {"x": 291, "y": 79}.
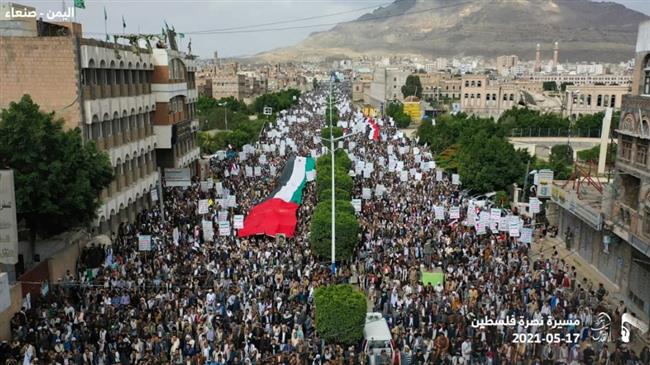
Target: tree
{"x": 561, "y": 161}
{"x": 205, "y": 103}
{"x": 549, "y": 86}
{"x": 340, "y": 313}
{"x": 487, "y": 163}
{"x": 413, "y": 86}
{"x": 58, "y": 177}
{"x": 336, "y": 132}
{"x": 347, "y": 230}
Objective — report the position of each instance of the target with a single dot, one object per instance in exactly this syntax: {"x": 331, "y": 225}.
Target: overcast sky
{"x": 216, "y": 15}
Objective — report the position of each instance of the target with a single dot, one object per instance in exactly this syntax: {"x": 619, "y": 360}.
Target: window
{"x": 471, "y": 96}
{"x": 487, "y": 97}
{"x": 626, "y": 150}
{"x": 478, "y": 96}
{"x": 599, "y": 101}
{"x": 466, "y": 83}
{"x": 646, "y": 76}
{"x": 512, "y": 97}
{"x": 612, "y": 101}
{"x": 466, "y": 96}
{"x": 646, "y": 222}
{"x": 641, "y": 154}
{"x": 473, "y": 83}
{"x": 478, "y": 83}
{"x": 588, "y": 99}
{"x": 494, "y": 96}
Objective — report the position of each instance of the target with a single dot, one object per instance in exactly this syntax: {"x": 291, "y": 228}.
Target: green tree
{"x": 402, "y": 120}
{"x": 549, "y": 86}
{"x": 561, "y": 161}
{"x": 336, "y": 132}
{"x": 487, "y": 163}
{"x": 340, "y": 313}
{"x": 205, "y": 103}
{"x": 347, "y": 230}
{"x": 413, "y": 86}
{"x": 58, "y": 177}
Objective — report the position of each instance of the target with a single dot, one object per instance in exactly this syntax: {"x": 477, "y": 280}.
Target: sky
{"x": 210, "y": 23}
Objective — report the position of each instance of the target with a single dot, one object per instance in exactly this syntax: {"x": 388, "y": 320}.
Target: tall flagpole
{"x": 105, "y": 23}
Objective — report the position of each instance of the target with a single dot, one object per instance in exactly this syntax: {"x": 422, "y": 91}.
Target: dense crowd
{"x": 198, "y": 298}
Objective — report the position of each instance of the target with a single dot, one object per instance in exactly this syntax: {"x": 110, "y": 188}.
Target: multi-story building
{"x": 386, "y": 86}
{"x": 175, "y": 121}
{"x": 505, "y": 64}
{"x": 451, "y": 89}
{"x": 361, "y": 85}
{"x": 102, "y": 88}
{"x": 590, "y": 99}
{"x": 613, "y": 79}
{"x": 486, "y": 97}
{"x": 227, "y": 81}
{"x": 628, "y": 220}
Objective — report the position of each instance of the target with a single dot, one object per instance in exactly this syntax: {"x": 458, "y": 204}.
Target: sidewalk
{"x": 547, "y": 245}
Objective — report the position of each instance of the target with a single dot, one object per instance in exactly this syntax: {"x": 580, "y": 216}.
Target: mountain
{"x": 585, "y": 30}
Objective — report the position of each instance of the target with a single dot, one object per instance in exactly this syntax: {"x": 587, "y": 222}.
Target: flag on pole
{"x": 79, "y": 4}
{"x": 105, "y": 25}
{"x": 123, "y": 23}
{"x": 105, "y": 14}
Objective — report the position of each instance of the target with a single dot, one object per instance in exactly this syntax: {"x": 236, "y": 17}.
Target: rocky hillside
{"x": 586, "y": 30}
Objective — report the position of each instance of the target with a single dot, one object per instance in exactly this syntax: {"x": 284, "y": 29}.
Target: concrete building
{"x": 102, "y": 88}
{"x": 227, "y": 81}
{"x": 386, "y": 85}
{"x": 590, "y": 99}
{"x": 506, "y": 64}
{"x": 361, "y": 85}
{"x": 175, "y": 121}
{"x": 451, "y": 89}
{"x": 490, "y": 98}
{"x": 617, "y": 79}
{"x": 629, "y": 217}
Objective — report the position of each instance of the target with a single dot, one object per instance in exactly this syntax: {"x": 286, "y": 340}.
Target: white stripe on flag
{"x": 297, "y": 176}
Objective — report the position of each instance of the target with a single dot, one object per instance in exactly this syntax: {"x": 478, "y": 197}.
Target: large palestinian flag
{"x": 277, "y": 214}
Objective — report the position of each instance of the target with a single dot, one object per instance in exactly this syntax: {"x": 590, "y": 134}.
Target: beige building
{"x": 175, "y": 121}
{"x": 617, "y": 79}
{"x": 105, "y": 89}
{"x": 386, "y": 86}
{"x": 590, "y": 99}
{"x": 361, "y": 86}
{"x": 227, "y": 81}
{"x": 627, "y": 218}
{"x": 506, "y": 63}
{"x": 490, "y": 98}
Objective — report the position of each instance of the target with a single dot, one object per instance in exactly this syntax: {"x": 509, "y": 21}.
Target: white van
{"x": 377, "y": 338}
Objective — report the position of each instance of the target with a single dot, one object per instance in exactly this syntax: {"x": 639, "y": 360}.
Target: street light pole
{"x": 333, "y": 193}
{"x": 225, "y": 112}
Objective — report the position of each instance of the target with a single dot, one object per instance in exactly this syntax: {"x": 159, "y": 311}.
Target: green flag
{"x": 79, "y": 4}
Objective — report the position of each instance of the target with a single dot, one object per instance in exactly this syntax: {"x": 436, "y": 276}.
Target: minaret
{"x": 538, "y": 58}
{"x": 556, "y": 50}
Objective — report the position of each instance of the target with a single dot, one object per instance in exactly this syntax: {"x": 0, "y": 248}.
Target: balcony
{"x": 625, "y": 216}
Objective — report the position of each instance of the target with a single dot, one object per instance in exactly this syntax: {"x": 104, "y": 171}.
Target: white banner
{"x": 5, "y": 292}
{"x": 439, "y": 212}
{"x": 454, "y": 213}
{"x": 366, "y": 193}
{"x": 238, "y": 221}
{"x": 222, "y": 215}
{"x": 455, "y": 179}
{"x": 208, "y": 231}
{"x": 8, "y": 221}
{"x": 403, "y": 176}
{"x": 495, "y": 215}
{"x": 356, "y": 203}
{"x": 513, "y": 223}
{"x": 534, "y": 205}
{"x": 203, "y": 206}
{"x": 224, "y": 228}
{"x": 144, "y": 242}
{"x": 231, "y": 201}
{"x": 257, "y": 171}
{"x": 154, "y": 194}
{"x": 438, "y": 175}
{"x": 526, "y": 235}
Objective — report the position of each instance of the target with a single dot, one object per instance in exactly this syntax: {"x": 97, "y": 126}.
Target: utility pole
{"x": 161, "y": 194}
{"x": 523, "y": 199}
{"x": 333, "y": 184}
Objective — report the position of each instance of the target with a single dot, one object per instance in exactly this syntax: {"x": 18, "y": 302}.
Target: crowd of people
{"x": 199, "y": 298}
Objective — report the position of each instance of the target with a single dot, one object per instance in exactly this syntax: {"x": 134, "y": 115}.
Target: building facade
{"x": 590, "y": 99}
{"x": 617, "y": 79}
{"x": 175, "y": 121}
{"x": 628, "y": 217}
{"x": 102, "y": 88}
{"x": 386, "y": 86}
